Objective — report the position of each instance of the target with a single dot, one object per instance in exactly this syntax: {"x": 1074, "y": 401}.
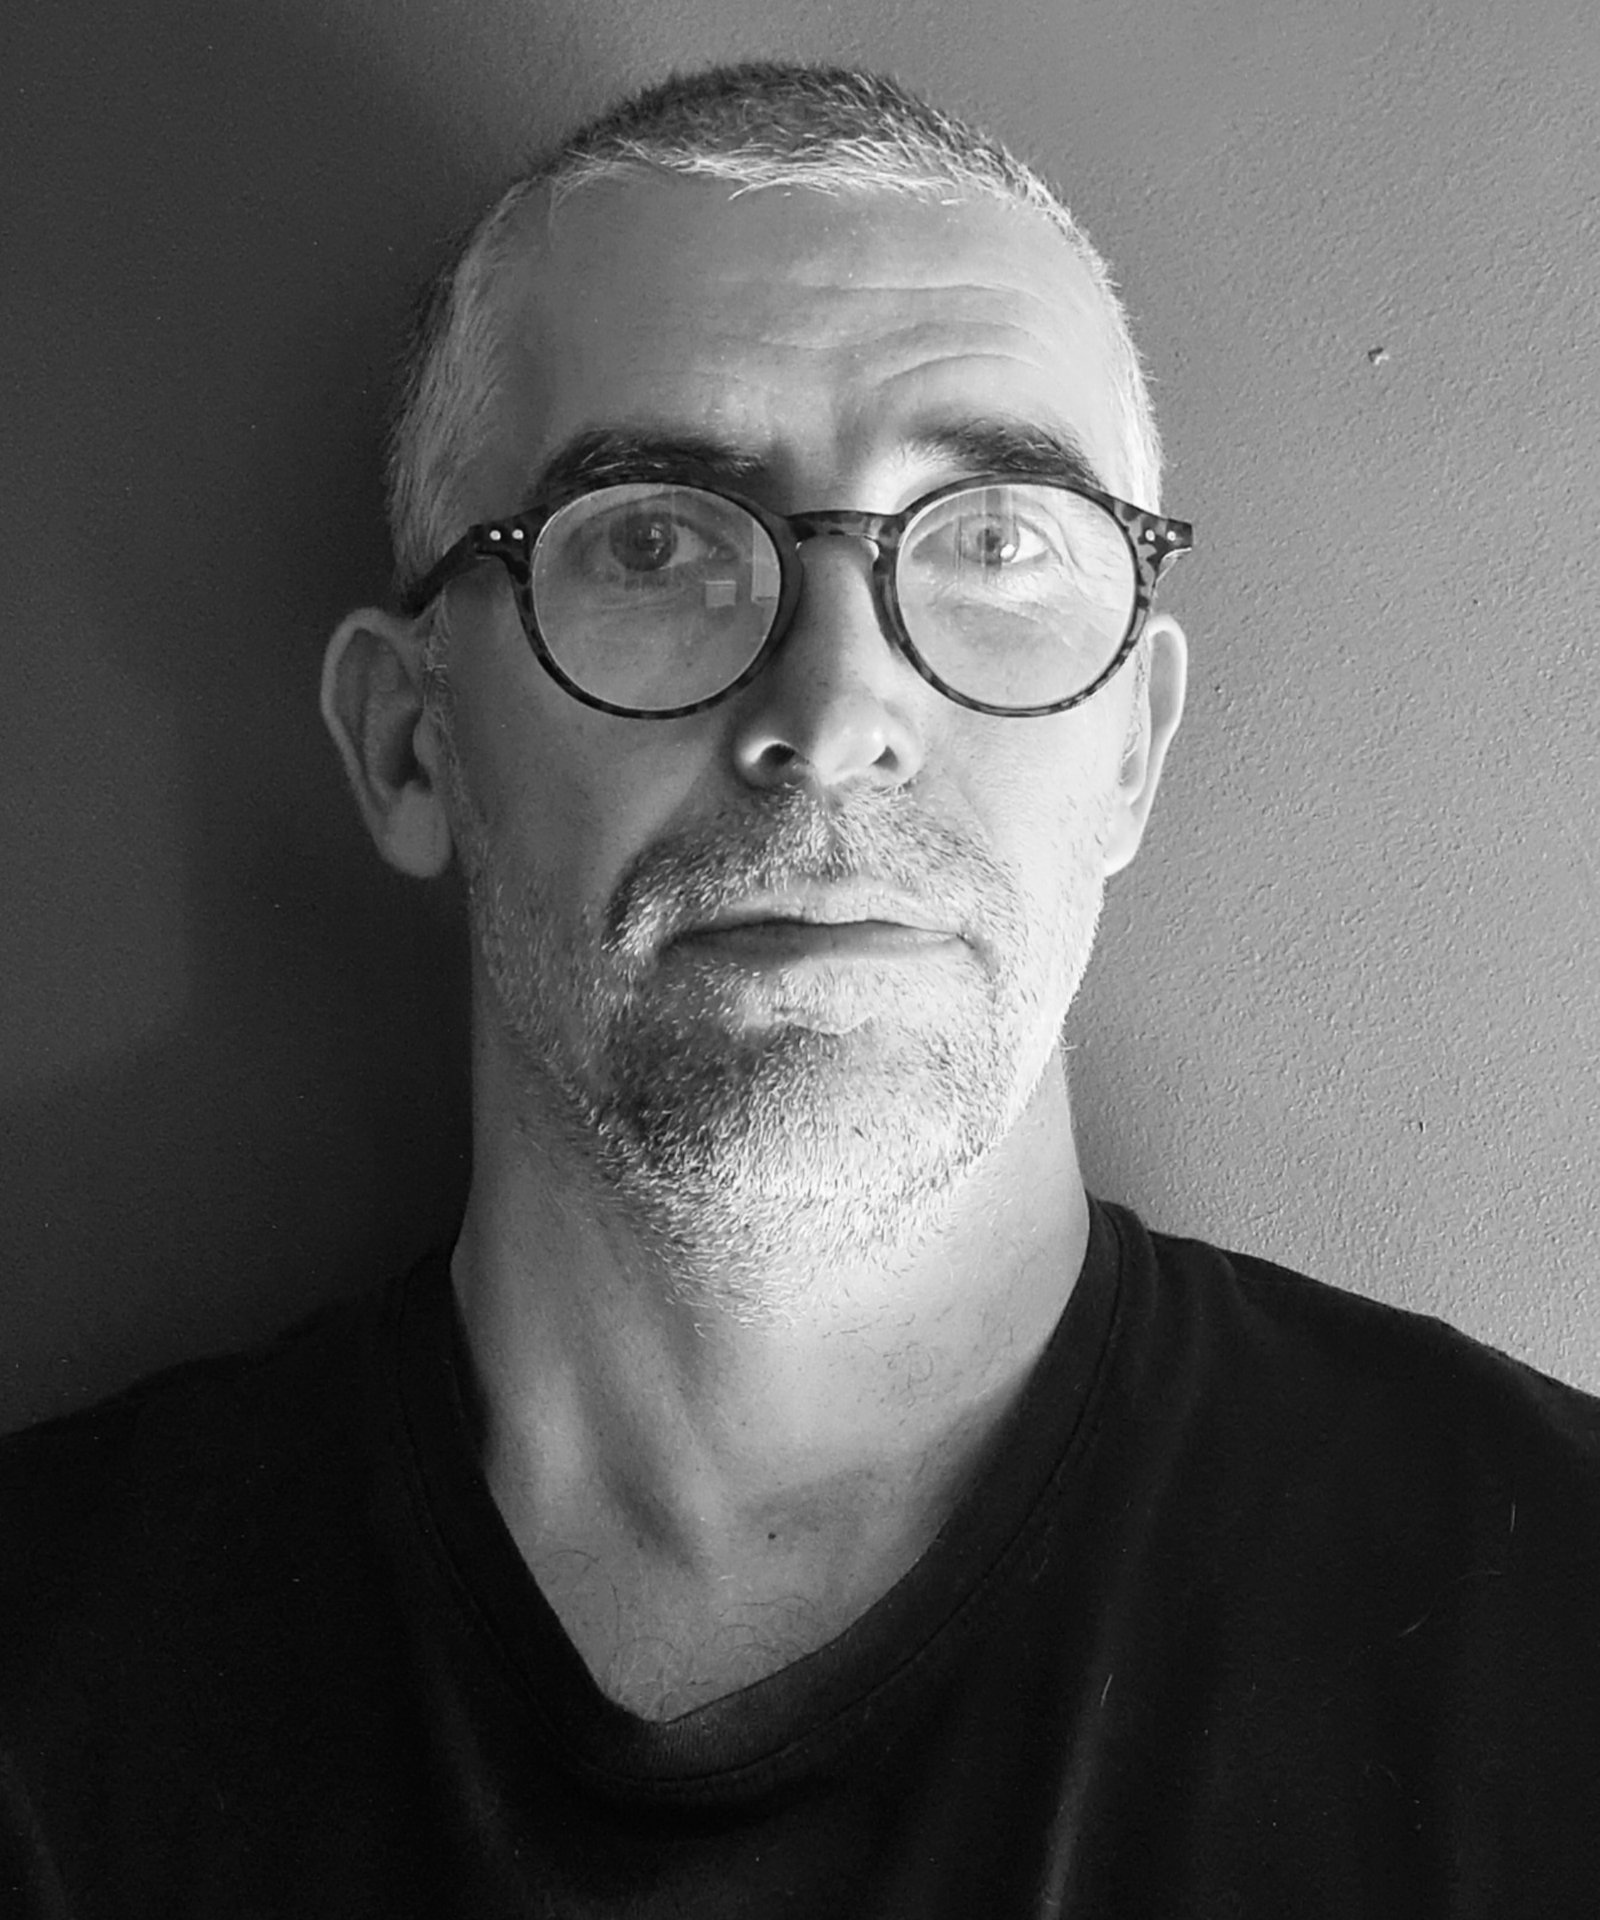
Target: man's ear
{"x": 1154, "y": 723}
{"x": 372, "y": 701}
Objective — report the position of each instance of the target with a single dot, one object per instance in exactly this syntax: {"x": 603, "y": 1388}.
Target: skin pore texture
{"x": 759, "y": 1254}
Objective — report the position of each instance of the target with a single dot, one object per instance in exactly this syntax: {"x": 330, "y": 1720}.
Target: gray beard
{"x": 759, "y": 1170}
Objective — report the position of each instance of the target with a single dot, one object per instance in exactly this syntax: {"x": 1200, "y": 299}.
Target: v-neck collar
{"x": 750, "y": 1739}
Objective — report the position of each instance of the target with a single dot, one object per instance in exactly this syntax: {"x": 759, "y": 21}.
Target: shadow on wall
{"x": 233, "y": 1053}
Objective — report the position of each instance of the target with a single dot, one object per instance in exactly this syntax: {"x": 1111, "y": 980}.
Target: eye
{"x": 984, "y": 533}
{"x": 644, "y": 542}
{"x": 995, "y": 541}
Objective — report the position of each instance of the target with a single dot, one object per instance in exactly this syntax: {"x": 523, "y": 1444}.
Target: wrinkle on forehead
{"x": 622, "y": 232}
{"x": 798, "y": 306}
{"x": 623, "y": 223}
{"x": 840, "y": 319}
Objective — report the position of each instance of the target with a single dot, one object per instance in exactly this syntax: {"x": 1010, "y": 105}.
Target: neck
{"x": 691, "y": 1448}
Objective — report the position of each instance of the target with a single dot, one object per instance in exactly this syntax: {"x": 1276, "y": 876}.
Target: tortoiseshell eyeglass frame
{"x": 1153, "y": 541}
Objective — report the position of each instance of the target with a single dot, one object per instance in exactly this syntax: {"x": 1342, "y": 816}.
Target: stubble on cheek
{"x": 653, "y": 1075}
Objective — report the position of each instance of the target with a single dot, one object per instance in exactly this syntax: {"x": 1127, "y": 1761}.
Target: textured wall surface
{"x": 1346, "y": 1011}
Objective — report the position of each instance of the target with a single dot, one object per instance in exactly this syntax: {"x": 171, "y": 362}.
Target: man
{"x": 791, "y": 1494}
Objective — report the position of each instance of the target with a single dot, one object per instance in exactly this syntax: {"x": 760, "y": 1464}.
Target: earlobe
{"x": 373, "y": 705}
{"x": 1140, "y": 773}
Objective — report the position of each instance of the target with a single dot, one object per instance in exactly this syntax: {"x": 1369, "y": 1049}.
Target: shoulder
{"x": 1343, "y": 1404}
{"x": 200, "y": 1600}
{"x": 239, "y": 1389}
{"x": 1356, "y": 1489}
{"x": 218, "y": 1458}
{"x": 1274, "y": 1317}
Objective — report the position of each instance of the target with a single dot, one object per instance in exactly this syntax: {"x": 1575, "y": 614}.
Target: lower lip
{"x": 782, "y": 942}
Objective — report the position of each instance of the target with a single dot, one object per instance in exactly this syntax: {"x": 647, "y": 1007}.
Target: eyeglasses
{"x": 654, "y": 600}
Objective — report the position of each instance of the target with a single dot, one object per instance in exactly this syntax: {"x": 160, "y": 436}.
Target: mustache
{"x": 796, "y": 839}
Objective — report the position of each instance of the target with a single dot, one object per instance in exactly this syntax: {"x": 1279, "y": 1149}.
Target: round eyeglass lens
{"x": 652, "y": 596}
{"x": 1017, "y": 595}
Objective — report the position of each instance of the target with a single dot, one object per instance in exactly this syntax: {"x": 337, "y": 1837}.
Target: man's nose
{"x": 837, "y": 702}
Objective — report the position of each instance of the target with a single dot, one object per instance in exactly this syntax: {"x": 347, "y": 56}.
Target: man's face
{"x": 827, "y": 339}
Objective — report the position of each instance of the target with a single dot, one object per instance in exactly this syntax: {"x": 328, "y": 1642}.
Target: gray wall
{"x": 1345, "y": 1012}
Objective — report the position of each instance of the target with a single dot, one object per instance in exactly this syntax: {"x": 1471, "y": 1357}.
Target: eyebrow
{"x": 606, "y": 456}
{"x": 1030, "y": 450}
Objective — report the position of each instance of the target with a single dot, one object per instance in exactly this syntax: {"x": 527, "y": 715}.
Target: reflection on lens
{"x": 654, "y": 597}
{"x": 657, "y": 597}
{"x": 1017, "y": 595}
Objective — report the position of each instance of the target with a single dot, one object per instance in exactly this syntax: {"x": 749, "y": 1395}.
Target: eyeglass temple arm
{"x": 507, "y": 542}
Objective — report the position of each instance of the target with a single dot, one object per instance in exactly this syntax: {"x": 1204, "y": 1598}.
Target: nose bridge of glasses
{"x": 874, "y": 530}
{"x": 839, "y": 523}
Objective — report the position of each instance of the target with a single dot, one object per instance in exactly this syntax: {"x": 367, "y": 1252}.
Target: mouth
{"x": 857, "y": 910}
{"x": 834, "y": 926}
{"x": 778, "y": 942}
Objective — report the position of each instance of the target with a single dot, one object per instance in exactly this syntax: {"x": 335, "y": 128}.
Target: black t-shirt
{"x": 1276, "y": 1602}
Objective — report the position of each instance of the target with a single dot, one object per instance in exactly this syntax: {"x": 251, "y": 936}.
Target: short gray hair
{"x": 761, "y": 124}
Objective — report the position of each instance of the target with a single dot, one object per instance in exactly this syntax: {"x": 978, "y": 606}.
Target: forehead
{"x": 816, "y": 332}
